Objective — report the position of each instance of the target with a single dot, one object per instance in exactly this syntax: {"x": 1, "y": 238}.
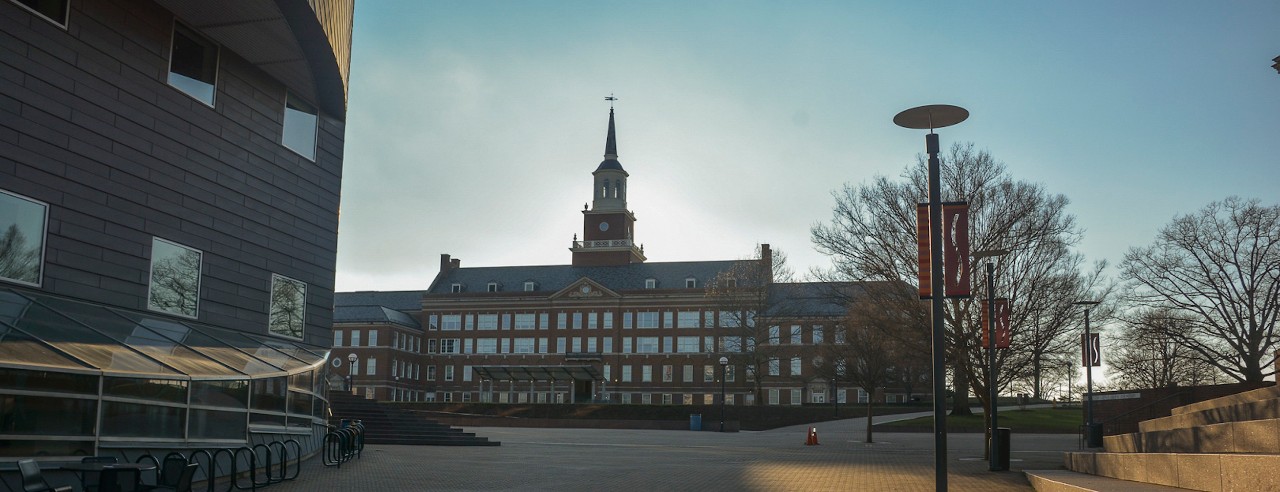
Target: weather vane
{"x": 611, "y": 99}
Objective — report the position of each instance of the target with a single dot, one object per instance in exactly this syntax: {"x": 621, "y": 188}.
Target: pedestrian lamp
{"x": 351, "y": 371}
{"x": 724, "y": 367}
{"x": 922, "y": 118}
{"x": 996, "y": 463}
{"x": 1093, "y": 436}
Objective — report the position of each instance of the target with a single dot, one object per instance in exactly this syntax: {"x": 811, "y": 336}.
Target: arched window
{"x": 621, "y": 192}
{"x": 604, "y": 189}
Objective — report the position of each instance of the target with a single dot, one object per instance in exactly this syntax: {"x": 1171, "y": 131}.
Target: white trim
{"x": 66, "y": 4}
{"x": 217, "y": 63}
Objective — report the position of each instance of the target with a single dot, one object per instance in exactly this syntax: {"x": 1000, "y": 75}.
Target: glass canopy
{"x": 39, "y": 330}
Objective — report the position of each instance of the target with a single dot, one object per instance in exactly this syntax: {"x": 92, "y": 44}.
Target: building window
{"x": 486, "y": 345}
{"x": 175, "y": 278}
{"x": 529, "y": 286}
{"x": 775, "y": 335}
{"x": 728, "y": 374}
{"x": 487, "y": 322}
{"x": 730, "y": 319}
{"x": 650, "y": 283}
{"x": 647, "y": 319}
{"x": 626, "y": 321}
{"x": 817, "y": 334}
{"x": 432, "y": 346}
{"x": 525, "y": 321}
{"x": 337, "y": 338}
{"x": 668, "y": 374}
{"x": 455, "y": 288}
{"x": 731, "y": 344}
{"x": 449, "y": 346}
{"x": 797, "y": 396}
{"x": 373, "y": 338}
{"x": 524, "y": 346}
{"x": 646, "y": 345}
{"x": 666, "y": 398}
{"x": 795, "y": 366}
{"x": 492, "y": 287}
{"x": 796, "y": 338}
{"x": 371, "y": 366}
{"x": 690, "y": 283}
{"x": 54, "y": 11}
{"x": 646, "y": 374}
{"x": 592, "y": 319}
{"x": 775, "y": 366}
{"x": 431, "y": 373}
{"x": 448, "y": 373}
{"x": 708, "y": 373}
{"x": 773, "y": 397}
{"x": 577, "y": 321}
{"x": 626, "y": 374}
{"x": 193, "y": 64}
{"x": 22, "y": 232}
{"x": 300, "y": 120}
{"x": 687, "y": 374}
{"x": 466, "y": 375}
{"x": 288, "y": 306}
{"x": 355, "y": 338}
{"x": 686, "y": 345}
{"x": 688, "y": 319}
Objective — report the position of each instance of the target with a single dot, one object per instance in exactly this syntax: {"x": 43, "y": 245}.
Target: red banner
{"x": 1091, "y": 350}
{"x": 922, "y": 245}
{"x": 1004, "y": 336}
{"x": 955, "y": 248}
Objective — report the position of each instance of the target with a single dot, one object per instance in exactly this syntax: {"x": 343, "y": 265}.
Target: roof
{"x": 401, "y": 300}
{"x": 608, "y": 164}
{"x": 826, "y": 299}
{"x": 556, "y": 277}
{"x": 372, "y": 314}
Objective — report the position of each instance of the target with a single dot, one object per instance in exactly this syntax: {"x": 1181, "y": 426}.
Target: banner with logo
{"x": 1004, "y": 336}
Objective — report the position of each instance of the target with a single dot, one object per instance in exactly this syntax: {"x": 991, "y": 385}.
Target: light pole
{"x": 724, "y": 366}
{"x": 1093, "y": 438}
{"x": 995, "y": 464}
{"x": 351, "y": 371}
{"x": 920, "y": 118}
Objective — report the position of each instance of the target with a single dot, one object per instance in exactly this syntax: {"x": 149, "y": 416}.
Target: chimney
{"x": 444, "y": 262}
{"x": 455, "y": 264}
{"x": 766, "y": 259}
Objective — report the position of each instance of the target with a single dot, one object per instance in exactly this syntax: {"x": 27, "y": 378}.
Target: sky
{"x": 473, "y": 126}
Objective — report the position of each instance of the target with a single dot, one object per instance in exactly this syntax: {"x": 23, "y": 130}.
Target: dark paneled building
{"x": 169, "y": 184}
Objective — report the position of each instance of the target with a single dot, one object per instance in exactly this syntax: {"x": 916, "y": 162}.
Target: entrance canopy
{"x": 538, "y": 373}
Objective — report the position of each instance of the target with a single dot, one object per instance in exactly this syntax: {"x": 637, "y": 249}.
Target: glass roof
{"x": 44, "y": 330}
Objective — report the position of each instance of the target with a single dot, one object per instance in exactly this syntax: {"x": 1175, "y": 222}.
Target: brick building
{"x": 608, "y": 327}
{"x": 169, "y": 186}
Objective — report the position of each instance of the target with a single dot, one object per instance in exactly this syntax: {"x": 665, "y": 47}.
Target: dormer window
{"x": 529, "y": 286}
{"x": 493, "y": 287}
{"x": 690, "y": 283}
{"x": 650, "y": 283}
{"x": 455, "y": 288}
{"x": 731, "y": 283}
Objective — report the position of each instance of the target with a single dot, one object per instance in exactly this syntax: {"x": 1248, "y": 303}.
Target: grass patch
{"x": 1039, "y": 420}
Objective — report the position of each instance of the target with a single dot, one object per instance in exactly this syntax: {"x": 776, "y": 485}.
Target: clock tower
{"x": 607, "y": 226}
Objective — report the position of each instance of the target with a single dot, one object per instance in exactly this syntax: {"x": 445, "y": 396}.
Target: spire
{"x": 610, "y": 161}
{"x": 611, "y": 142}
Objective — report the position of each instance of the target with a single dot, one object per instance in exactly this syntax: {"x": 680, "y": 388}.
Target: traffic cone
{"x": 811, "y": 438}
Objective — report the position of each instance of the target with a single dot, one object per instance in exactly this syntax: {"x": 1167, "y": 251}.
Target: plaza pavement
{"x": 608, "y": 459}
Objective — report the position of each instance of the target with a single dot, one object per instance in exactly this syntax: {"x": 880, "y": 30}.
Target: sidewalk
{"x": 606, "y": 459}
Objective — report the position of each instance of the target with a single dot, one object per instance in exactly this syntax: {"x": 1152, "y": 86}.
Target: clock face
{"x": 604, "y": 226}
{"x": 586, "y": 288}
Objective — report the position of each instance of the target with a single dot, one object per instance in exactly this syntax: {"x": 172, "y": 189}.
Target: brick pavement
{"x": 600, "y": 459}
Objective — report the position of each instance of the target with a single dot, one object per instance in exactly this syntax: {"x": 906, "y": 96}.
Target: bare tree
{"x": 868, "y": 356}
{"x": 741, "y": 295}
{"x": 1220, "y": 268}
{"x": 1149, "y": 357}
{"x": 18, "y": 260}
{"x": 872, "y": 236}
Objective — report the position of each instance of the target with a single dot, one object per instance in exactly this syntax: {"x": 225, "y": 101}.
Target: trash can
{"x": 1093, "y": 435}
{"x": 1001, "y": 457}
{"x": 695, "y": 422}
{"x": 344, "y": 423}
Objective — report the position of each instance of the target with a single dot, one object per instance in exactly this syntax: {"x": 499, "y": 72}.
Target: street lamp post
{"x": 995, "y": 463}
{"x": 920, "y": 118}
{"x": 1092, "y": 438}
{"x": 724, "y": 366}
{"x": 351, "y": 371}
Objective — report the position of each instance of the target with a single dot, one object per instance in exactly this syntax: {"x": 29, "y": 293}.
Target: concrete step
{"x": 1069, "y": 481}
{"x": 1267, "y": 393}
{"x": 1204, "y": 471}
{"x": 1239, "y": 411}
{"x": 1253, "y": 436}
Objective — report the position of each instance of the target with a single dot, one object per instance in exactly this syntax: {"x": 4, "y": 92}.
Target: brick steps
{"x": 385, "y": 424}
